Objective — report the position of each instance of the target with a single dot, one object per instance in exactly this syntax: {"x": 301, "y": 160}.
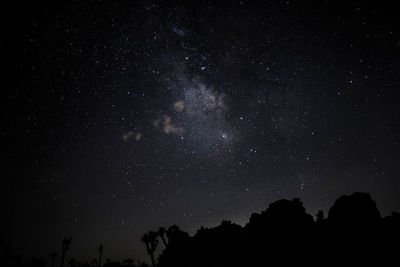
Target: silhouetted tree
{"x": 65, "y": 246}
{"x": 151, "y": 242}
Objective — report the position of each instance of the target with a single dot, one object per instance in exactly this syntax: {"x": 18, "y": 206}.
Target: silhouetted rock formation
{"x": 354, "y": 212}
{"x": 285, "y": 235}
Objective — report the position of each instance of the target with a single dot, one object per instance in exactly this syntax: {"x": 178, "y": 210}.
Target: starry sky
{"x": 123, "y": 116}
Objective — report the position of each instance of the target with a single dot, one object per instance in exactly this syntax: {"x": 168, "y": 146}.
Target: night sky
{"x": 123, "y": 116}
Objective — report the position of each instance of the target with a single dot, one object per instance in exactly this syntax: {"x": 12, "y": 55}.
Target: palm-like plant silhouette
{"x": 151, "y": 242}
{"x": 52, "y": 257}
{"x": 65, "y": 247}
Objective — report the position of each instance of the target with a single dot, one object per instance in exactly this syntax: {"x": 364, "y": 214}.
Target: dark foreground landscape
{"x": 353, "y": 234}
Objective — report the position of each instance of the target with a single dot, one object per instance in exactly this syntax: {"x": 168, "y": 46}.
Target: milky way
{"x": 122, "y": 117}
